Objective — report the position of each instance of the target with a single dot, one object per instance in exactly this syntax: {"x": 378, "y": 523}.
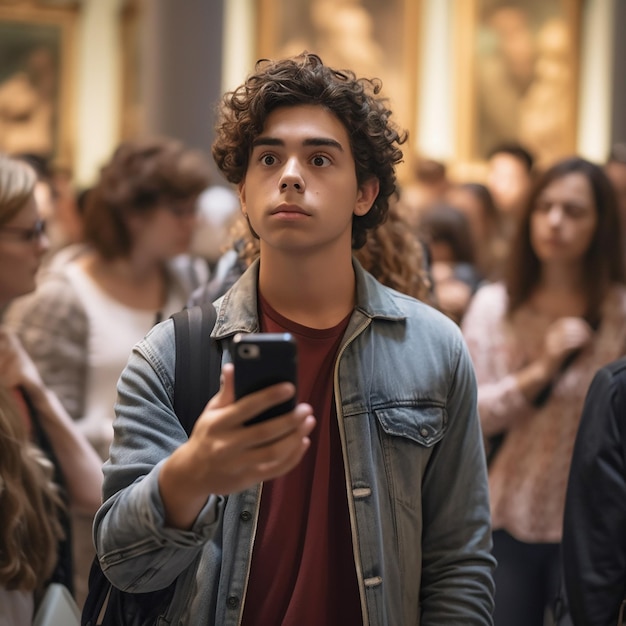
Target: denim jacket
{"x": 415, "y": 473}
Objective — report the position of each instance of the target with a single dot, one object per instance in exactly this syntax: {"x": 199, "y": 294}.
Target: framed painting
{"x": 36, "y": 74}
{"x": 372, "y": 38}
{"x": 518, "y": 76}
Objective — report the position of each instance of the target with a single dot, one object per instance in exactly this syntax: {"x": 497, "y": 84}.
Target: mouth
{"x": 554, "y": 241}
{"x": 289, "y": 210}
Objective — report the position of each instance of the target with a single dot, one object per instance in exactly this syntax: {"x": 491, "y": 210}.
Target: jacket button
{"x": 424, "y": 432}
{"x": 232, "y": 602}
{"x": 245, "y": 516}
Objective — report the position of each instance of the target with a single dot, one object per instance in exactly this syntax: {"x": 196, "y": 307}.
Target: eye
{"x": 319, "y": 160}
{"x": 542, "y": 206}
{"x": 575, "y": 210}
{"x": 268, "y": 159}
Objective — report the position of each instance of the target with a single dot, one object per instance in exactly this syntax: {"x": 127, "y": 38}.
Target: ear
{"x": 366, "y": 195}
{"x": 241, "y": 189}
{"x": 242, "y": 201}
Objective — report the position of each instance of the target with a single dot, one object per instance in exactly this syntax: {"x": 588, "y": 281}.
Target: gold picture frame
{"x": 518, "y": 76}
{"x": 372, "y": 38}
{"x": 37, "y": 79}
{"x": 131, "y": 16}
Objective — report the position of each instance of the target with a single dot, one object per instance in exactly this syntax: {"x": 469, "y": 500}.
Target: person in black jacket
{"x": 594, "y": 530}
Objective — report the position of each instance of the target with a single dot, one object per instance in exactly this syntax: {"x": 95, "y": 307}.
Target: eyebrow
{"x": 312, "y": 141}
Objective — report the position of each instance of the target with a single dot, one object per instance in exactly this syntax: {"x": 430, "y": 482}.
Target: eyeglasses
{"x": 27, "y": 234}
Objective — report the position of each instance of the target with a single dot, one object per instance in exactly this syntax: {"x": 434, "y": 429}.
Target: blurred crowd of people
{"x": 529, "y": 264}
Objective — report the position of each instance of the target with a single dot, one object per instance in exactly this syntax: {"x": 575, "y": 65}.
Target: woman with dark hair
{"x": 536, "y": 340}
{"x": 83, "y": 320}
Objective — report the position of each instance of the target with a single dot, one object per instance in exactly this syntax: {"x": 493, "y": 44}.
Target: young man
{"x": 368, "y": 503}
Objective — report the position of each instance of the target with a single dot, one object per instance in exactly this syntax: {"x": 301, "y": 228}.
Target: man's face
{"x": 300, "y": 190}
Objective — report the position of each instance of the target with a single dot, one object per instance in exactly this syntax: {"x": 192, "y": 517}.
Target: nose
{"x": 555, "y": 215}
{"x": 42, "y": 243}
{"x": 291, "y": 177}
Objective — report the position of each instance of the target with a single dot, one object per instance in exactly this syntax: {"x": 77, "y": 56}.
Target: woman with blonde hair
{"x": 46, "y": 466}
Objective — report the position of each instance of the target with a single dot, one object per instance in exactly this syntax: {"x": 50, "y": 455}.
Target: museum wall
{"x": 126, "y": 67}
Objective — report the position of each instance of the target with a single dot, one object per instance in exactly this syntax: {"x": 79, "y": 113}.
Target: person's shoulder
{"x": 616, "y": 371}
{"x": 606, "y": 398}
{"x": 161, "y": 335}
{"x": 491, "y": 292}
{"x": 406, "y": 305}
{"x": 488, "y": 303}
{"x": 423, "y": 311}
{"x": 423, "y": 318}
{"x": 54, "y": 295}
{"x": 424, "y": 339}
{"x": 609, "y": 382}
{"x": 158, "y": 346}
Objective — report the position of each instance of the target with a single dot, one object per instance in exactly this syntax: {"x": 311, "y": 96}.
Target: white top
{"x": 114, "y": 329}
{"x": 16, "y": 608}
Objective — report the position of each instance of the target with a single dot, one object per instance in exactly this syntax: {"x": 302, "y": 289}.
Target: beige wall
{"x": 98, "y": 92}
{"x": 98, "y": 87}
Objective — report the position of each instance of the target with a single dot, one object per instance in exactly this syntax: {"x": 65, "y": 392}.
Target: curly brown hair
{"x": 141, "y": 175}
{"x": 397, "y": 259}
{"x": 304, "y": 79}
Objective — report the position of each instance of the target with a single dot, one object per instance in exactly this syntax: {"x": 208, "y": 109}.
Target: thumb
{"x": 226, "y": 393}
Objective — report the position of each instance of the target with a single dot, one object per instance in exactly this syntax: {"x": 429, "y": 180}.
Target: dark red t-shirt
{"x": 302, "y": 569}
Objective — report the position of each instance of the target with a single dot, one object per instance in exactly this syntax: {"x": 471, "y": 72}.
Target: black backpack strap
{"x": 198, "y": 362}
{"x": 197, "y": 380}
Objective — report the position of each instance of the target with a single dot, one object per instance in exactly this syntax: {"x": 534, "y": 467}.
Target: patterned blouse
{"x": 528, "y": 476}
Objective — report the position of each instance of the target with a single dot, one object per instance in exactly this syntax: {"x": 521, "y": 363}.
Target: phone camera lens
{"x": 250, "y": 351}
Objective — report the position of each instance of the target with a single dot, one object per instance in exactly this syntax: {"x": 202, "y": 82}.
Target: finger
{"x": 281, "y": 456}
{"x": 266, "y": 433}
{"x": 226, "y": 393}
{"x": 275, "y": 469}
{"x": 257, "y": 402}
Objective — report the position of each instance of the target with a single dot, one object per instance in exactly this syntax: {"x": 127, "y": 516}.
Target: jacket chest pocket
{"x": 423, "y": 424}
{"x": 408, "y": 434}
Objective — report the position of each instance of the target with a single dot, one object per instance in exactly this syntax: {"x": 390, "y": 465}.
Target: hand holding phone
{"x": 261, "y": 360}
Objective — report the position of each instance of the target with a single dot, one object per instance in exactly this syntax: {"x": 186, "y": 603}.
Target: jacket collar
{"x": 238, "y": 312}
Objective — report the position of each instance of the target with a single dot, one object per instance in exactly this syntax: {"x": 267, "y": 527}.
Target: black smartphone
{"x": 261, "y": 360}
